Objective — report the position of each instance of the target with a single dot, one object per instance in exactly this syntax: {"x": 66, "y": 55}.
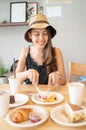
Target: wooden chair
{"x": 76, "y": 69}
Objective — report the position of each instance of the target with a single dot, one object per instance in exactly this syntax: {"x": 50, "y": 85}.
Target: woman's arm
{"x": 21, "y": 71}
{"x": 60, "y": 66}
{"x": 58, "y": 76}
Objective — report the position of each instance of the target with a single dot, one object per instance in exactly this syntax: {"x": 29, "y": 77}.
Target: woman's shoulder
{"x": 57, "y": 50}
{"x": 25, "y": 51}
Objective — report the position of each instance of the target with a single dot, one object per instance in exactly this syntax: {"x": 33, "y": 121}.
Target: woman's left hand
{"x": 53, "y": 78}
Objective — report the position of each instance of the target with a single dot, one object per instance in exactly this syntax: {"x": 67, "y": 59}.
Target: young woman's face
{"x": 39, "y": 37}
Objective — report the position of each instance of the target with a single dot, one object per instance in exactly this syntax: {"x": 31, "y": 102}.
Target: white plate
{"x": 43, "y": 113}
{"x": 36, "y": 99}
{"x": 60, "y": 118}
{"x": 20, "y": 99}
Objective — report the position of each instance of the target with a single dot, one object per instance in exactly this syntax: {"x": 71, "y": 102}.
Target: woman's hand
{"x": 33, "y": 75}
{"x": 53, "y": 78}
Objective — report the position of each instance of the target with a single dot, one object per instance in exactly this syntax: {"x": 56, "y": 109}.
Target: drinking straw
{"x": 14, "y": 71}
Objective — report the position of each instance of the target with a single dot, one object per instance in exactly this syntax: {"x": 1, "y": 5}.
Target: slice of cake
{"x": 75, "y": 113}
{"x": 12, "y": 99}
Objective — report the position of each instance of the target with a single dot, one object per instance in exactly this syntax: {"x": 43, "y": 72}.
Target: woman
{"x": 44, "y": 63}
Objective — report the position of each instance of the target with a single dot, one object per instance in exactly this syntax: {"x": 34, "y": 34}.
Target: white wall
{"x": 71, "y": 30}
{"x": 70, "y": 38}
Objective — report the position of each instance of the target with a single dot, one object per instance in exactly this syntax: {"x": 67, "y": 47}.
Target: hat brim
{"x": 40, "y": 26}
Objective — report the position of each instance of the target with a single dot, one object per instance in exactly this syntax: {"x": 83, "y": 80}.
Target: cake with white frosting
{"x": 75, "y": 113}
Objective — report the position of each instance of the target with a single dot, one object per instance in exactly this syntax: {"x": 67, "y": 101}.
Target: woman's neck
{"x": 37, "y": 51}
{"x": 37, "y": 55}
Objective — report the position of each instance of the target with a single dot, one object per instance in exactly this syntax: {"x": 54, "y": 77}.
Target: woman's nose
{"x": 41, "y": 37}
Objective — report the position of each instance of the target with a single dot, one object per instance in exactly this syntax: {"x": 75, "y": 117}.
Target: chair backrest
{"x": 76, "y": 69}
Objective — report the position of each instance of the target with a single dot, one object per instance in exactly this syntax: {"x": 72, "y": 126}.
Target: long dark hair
{"x": 49, "y": 55}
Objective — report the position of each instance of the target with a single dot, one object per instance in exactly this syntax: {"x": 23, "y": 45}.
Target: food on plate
{"x": 21, "y": 115}
{"x": 34, "y": 117}
{"x": 43, "y": 96}
{"x": 75, "y": 113}
{"x": 51, "y": 97}
{"x": 12, "y": 99}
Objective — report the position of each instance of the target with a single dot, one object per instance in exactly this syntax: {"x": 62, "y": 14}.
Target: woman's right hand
{"x": 33, "y": 75}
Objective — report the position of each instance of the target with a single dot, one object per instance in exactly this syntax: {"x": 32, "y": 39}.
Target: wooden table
{"x": 49, "y": 124}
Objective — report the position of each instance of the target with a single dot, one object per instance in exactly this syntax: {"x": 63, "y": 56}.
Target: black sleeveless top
{"x": 31, "y": 64}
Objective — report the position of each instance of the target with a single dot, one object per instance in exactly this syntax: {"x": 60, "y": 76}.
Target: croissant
{"x": 21, "y": 115}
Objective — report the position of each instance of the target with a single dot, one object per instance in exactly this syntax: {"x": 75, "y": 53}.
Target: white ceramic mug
{"x": 75, "y": 90}
{"x": 4, "y": 103}
{"x": 14, "y": 85}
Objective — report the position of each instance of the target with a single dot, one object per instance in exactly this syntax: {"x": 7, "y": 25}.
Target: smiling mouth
{"x": 41, "y": 44}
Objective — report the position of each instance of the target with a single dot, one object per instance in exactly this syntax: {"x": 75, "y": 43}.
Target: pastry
{"x": 75, "y": 113}
{"x": 52, "y": 98}
{"x": 49, "y": 98}
{"x": 21, "y": 115}
{"x": 12, "y": 99}
{"x": 43, "y": 96}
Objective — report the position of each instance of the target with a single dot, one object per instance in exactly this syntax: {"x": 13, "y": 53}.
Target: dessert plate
{"x": 58, "y": 116}
{"x": 44, "y": 114}
{"x": 35, "y": 98}
{"x": 20, "y": 99}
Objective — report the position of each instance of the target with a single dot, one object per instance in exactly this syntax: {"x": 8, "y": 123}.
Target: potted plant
{"x": 3, "y": 73}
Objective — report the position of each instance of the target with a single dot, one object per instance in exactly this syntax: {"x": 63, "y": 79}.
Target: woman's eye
{"x": 36, "y": 34}
{"x": 45, "y": 33}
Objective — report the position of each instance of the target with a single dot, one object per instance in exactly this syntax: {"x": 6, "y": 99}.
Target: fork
{"x": 36, "y": 87}
{"x": 41, "y": 93}
{"x": 48, "y": 89}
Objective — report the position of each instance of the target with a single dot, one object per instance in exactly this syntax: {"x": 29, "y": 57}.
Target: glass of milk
{"x": 4, "y": 103}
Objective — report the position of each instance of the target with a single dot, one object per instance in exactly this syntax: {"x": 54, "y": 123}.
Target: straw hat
{"x": 39, "y": 21}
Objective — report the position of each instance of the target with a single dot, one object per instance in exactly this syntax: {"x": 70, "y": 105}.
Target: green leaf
{"x": 3, "y": 70}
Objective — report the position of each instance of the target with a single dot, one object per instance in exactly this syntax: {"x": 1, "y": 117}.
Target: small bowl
{"x": 34, "y": 117}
